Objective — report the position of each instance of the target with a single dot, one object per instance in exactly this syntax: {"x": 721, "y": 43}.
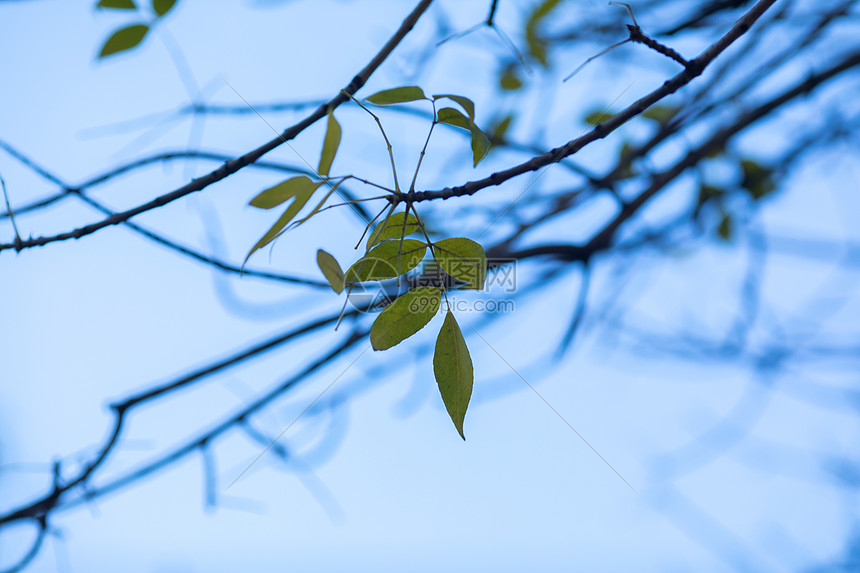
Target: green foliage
{"x": 124, "y": 39}
{"x": 387, "y": 260}
{"x": 330, "y": 145}
{"x": 757, "y": 179}
{"x": 537, "y": 45}
{"x": 162, "y": 7}
{"x": 397, "y": 95}
{"x": 499, "y": 129}
{"x": 331, "y": 270}
{"x": 396, "y": 226}
{"x": 452, "y": 367}
{"x": 117, "y": 4}
{"x": 509, "y": 80}
{"x": 660, "y": 113}
{"x": 724, "y": 229}
{"x": 404, "y": 317}
{"x": 463, "y": 259}
{"x": 598, "y": 116}
{"x": 480, "y": 141}
{"x": 389, "y": 254}
{"x": 277, "y": 195}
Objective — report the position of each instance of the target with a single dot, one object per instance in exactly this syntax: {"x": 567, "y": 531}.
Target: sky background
{"x": 87, "y": 322}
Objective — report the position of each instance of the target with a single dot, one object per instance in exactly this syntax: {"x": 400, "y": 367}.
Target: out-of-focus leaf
{"x": 162, "y": 7}
{"x": 757, "y": 179}
{"x": 500, "y": 128}
{"x": 382, "y": 261}
{"x": 660, "y": 113}
{"x": 463, "y": 259}
{"x": 598, "y": 116}
{"x": 299, "y": 200}
{"x": 330, "y": 145}
{"x": 509, "y": 80}
{"x": 397, "y": 95}
{"x": 537, "y": 45}
{"x": 331, "y": 270}
{"x": 394, "y": 228}
{"x": 117, "y": 4}
{"x": 724, "y": 230}
{"x": 404, "y": 317}
{"x": 124, "y": 39}
{"x": 452, "y": 367}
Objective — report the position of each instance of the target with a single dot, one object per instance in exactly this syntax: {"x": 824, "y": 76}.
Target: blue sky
{"x": 89, "y": 321}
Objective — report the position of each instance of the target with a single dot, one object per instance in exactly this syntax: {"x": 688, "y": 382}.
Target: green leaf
{"x": 382, "y": 262}
{"x": 452, "y": 367}
{"x": 331, "y": 270}
{"x": 536, "y": 44}
{"x": 404, "y": 317}
{"x": 465, "y": 102}
{"x": 124, "y": 39}
{"x": 480, "y": 142}
{"x": 319, "y": 206}
{"x": 274, "y": 196}
{"x": 330, "y": 145}
{"x": 393, "y": 228}
{"x": 301, "y": 198}
{"x": 500, "y": 128}
{"x": 397, "y": 95}
{"x": 596, "y": 117}
{"x": 162, "y": 7}
{"x": 725, "y": 228}
{"x": 117, "y": 4}
{"x": 509, "y": 80}
{"x": 660, "y": 113}
{"x": 757, "y": 179}
{"x": 463, "y": 259}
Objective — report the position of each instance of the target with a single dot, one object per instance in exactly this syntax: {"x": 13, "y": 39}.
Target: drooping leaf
{"x": 480, "y": 142}
{"x": 117, "y": 4}
{"x": 397, "y": 95}
{"x": 463, "y": 259}
{"x": 331, "y": 270}
{"x": 162, "y": 7}
{"x": 464, "y": 102}
{"x": 319, "y": 206}
{"x": 537, "y": 45}
{"x": 299, "y": 201}
{"x": 404, "y": 317}
{"x": 330, "y": 145}
{"x": 394, "y": 228}
{"x": 598, "y": 116}
{"x": 660, "y": 113}
{"x": 383, "y": 262}
{"x": 124, "y": 39}
{"x": 274, "y": 196}
{"x": 452, "y": 367}
{"x": 509, "y": 80}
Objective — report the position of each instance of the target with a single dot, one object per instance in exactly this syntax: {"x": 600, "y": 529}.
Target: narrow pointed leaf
{"x": 660, "y": 113}
{"x": 274, "y": 196}
{"x": 382, "y": 261}
{"x": 124, "y": 39}
{"x": 480, "y": 145}
{"x": 318, "y": 207}
{"x": 331, "y": 270}
{"x": 298, "y": 202}
{"x": 162, "y": 7}
{"x": 330, "y": 145}
{"x": 463, "y": 259}
{"x": 404, "y": 317}
{"x": 465, "y": 102}
{"x": 397, "y": 95}
{"x": 452, "y": 367}
{"x": 393, "y": 228}
{"x": 117, "y": 4}
{"x": 598, "y": 116}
